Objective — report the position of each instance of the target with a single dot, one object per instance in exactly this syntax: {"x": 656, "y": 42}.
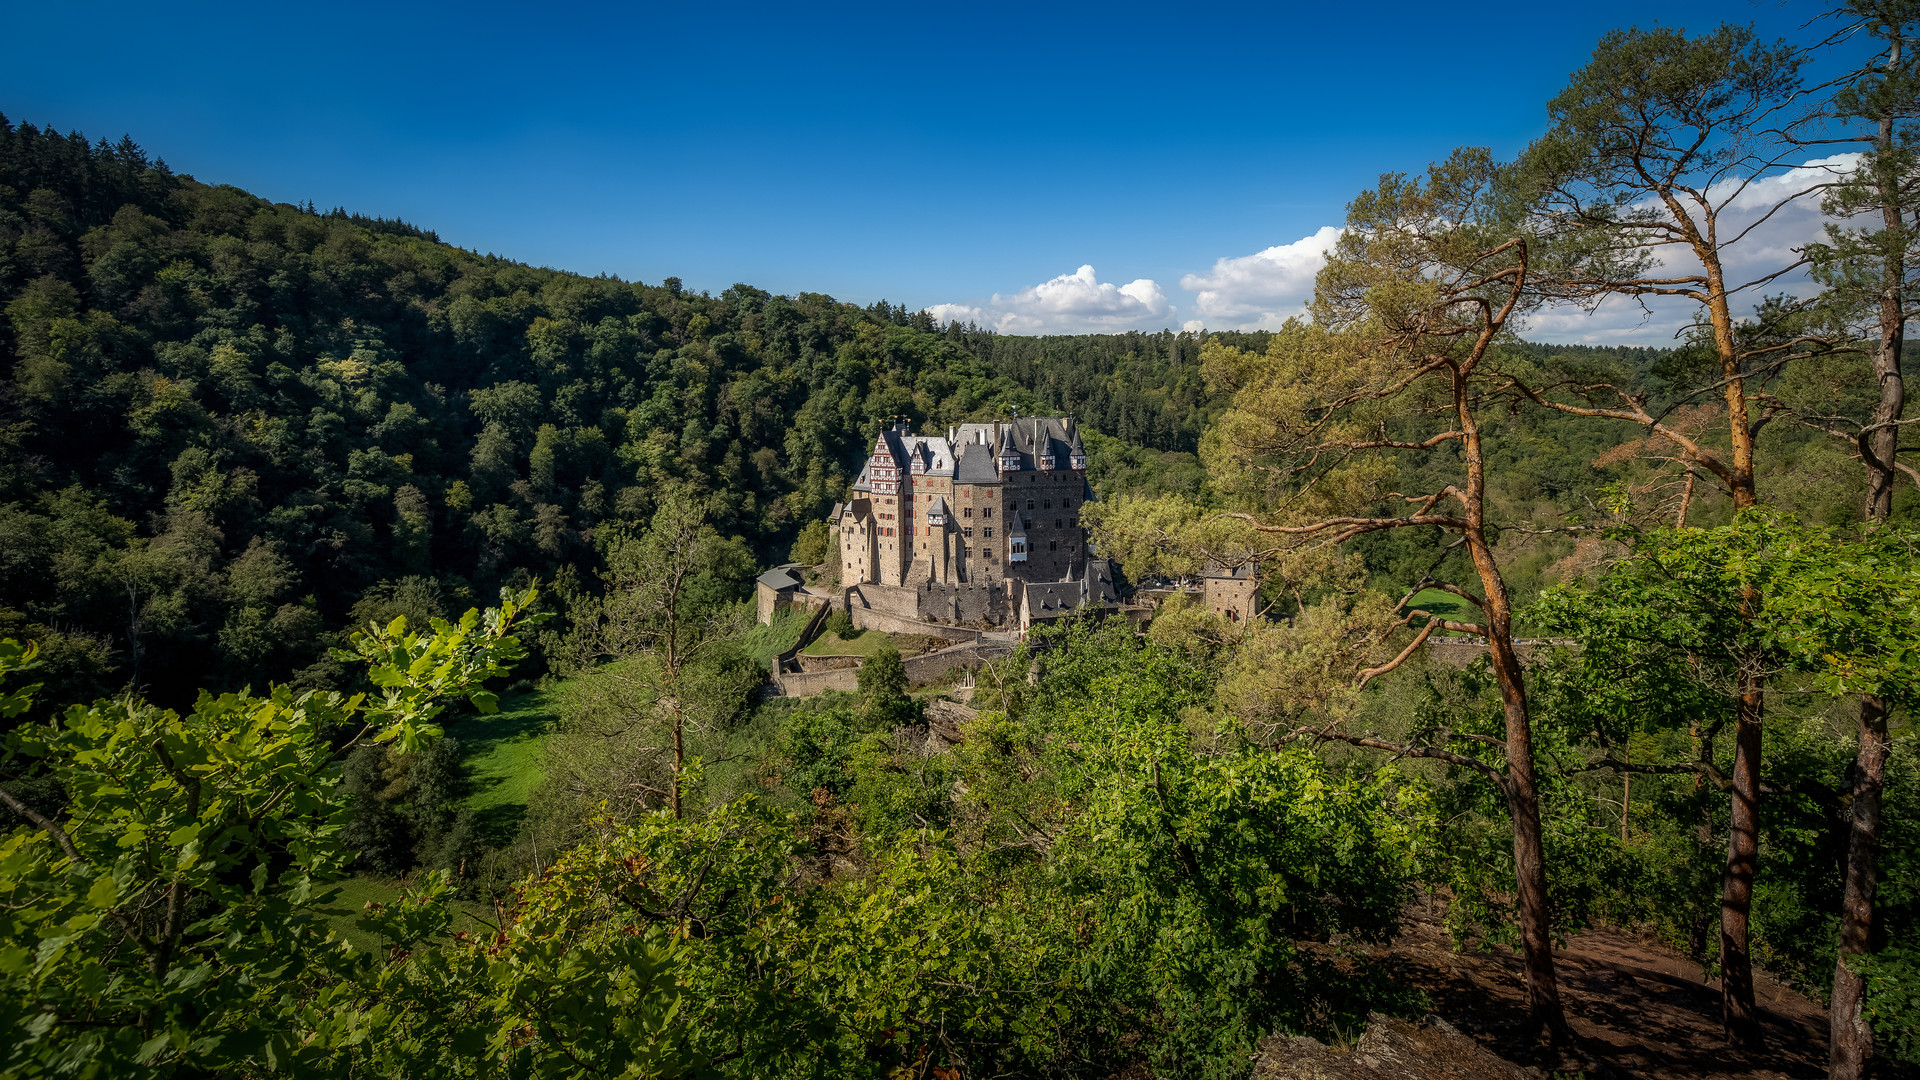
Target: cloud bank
{"x": 1262, "y": 290}
{"x": 1076, "y": 302}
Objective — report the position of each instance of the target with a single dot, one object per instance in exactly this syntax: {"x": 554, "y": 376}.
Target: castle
{"x": 977, "y": 527}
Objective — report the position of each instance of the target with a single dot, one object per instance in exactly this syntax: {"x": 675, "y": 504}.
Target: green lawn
{"x": 863, "y": 643}
{"x": 1444, "y": 605}
{"x": 357, "y": 891}
{"x": 502, "y": 755}
{"x": 763, "y": 643}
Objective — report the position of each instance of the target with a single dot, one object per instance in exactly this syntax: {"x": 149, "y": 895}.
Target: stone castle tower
{"x": 968, "y": 519}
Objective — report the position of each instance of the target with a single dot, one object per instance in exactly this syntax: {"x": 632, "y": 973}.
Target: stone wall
{"x": 884, "y": 599}
{"x": 811, "y": 664}
{"x": 930, "y": 666}
{"x": 869, "y": 619}
{"x": 1232, "y": 599}
{"x": 926, "y": 668}
{"x": 967, "y": 605}
{"x": 821, "y": 605}
{"x": 930, "y": 608}
{"x": 1461, "y": 651}
{"x": 1054, "y": 551}
{"x": 806, "y": 684}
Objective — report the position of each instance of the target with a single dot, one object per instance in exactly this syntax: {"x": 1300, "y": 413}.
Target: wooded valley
{"x": 381, "y": 692}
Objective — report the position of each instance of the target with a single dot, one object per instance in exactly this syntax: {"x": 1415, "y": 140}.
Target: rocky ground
{"x": 1638, "y": 1009}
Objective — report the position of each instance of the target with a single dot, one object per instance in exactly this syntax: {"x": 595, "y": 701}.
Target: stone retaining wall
{"x": 1461, "y": 651}
{"x": 870, "y": 619}
{"x": 883, "y": 600}
{"x": 790, "y": 658}
{"x": 806, "y": 684}
{"x": 920, "y": 669}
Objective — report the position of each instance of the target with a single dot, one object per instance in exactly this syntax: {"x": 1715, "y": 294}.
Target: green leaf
{"x": 104, "y": 893}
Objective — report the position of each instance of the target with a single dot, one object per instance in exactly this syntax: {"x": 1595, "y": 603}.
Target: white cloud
{"x": 1770, "y": 245}
{"x": 1070, "y": 303}
{"x": 1262, "y": 290}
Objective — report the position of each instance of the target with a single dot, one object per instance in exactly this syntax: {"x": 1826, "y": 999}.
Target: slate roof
{"x": 1240, "y": 573}
{"x": 976, "y": 465}
{"x": 933, "y": 451}
{"x": 969, "y": 453}
{"x": 1028, "y": 438}
{"x": 1099, "y": 582}
{"x": 779, "y": 578}
{"x": 1051, "y": 598}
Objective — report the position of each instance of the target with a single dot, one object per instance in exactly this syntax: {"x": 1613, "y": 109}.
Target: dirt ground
{"x": 1639, "y": 1009}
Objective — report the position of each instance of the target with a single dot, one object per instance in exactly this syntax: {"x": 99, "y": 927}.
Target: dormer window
{"x": 1079, "y": 462}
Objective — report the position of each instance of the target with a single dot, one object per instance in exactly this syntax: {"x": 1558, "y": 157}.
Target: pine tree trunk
{"x": 1523, "y": 800}
{"x": 1739, "y": 1014}
{"x": 1851, "y": 1039}
{"x": 1544, "y": 1009}
{"x": 1850, "y": 1045}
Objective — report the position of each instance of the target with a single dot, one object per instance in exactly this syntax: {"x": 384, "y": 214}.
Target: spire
{"x": 1007, "y": 454}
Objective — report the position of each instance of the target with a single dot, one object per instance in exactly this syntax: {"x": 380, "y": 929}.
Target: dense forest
{"x": 299, "y": 508}
{"x": 229, "y": 421}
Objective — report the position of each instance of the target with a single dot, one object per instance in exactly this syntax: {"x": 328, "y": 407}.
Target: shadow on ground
{"x": 502, "y": 755}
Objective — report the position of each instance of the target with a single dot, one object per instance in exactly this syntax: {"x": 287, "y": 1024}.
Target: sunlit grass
{"x": 1444, "y": 605}
{"x": 764, "y": 642}
{"x": 863, "y": 643}
{"x": 502, "y": 755}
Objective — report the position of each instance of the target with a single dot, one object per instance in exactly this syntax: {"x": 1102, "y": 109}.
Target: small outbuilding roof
{"x": 780, "y": 578}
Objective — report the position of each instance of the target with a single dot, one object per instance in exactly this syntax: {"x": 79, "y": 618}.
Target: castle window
{"x": 1053, "y": 545}
{"x": 1056, "y": 523}
{"x": 1046, "y": 504}
{"x": 968, "y": 531}
{"x": 1029, "y": 504}
{"x": 986, "y": 512}
{"x": 989, "y": 532}
{"x": 968, "y": 512}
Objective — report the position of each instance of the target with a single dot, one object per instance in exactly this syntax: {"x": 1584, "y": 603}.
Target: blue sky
{"x": 929, "y": 155}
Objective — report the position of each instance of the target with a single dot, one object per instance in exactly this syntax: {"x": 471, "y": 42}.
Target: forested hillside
{"x": 228, "y": 421}
{"x": 1551, "y": 643}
